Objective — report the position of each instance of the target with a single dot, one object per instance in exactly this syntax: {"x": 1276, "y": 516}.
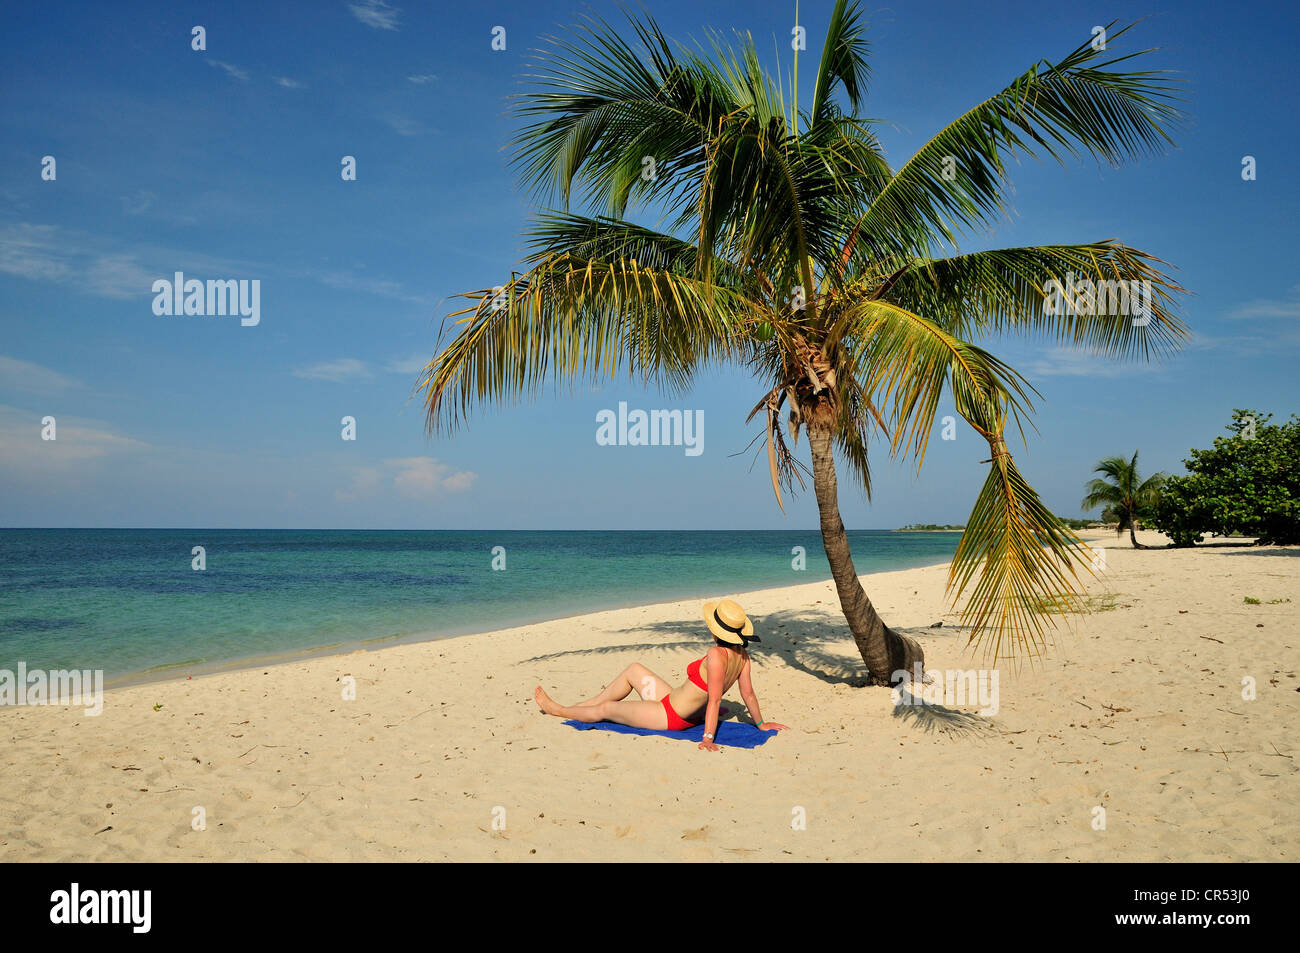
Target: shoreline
{"x": 1138, "y": 715}
{"x": 380, "y": 643}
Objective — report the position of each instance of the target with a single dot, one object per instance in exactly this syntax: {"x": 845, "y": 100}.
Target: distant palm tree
{"x": 787, "y": 244}
{"x": 1123, "y": 492}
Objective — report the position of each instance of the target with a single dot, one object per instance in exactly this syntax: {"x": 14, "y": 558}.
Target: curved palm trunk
{"x": 1132, "y": 524}
{"x": 883, "y": 650}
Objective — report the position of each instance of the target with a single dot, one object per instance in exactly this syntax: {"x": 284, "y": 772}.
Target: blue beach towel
{"x": 731, "y": 734}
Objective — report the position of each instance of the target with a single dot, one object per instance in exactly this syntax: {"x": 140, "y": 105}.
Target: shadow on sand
{"x": 952, "y": 722}
{"x": 798, "y": 637}
{"x": 801, "y": 639}
{"x": 1291, "y": 551}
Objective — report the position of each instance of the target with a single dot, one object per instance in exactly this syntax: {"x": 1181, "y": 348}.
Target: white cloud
{"x": 365, "y": 482}
{"x": 339, "y": 370}
{"x": 403, "y": 126}
{"x": 376, "y": 286}
{"x": 459, "y": 482}
{"x": 29, "y": 251}
{"x": 99, "y": 266}
{"x": 1065, "y": 362}
{"x": 375, "y": 13}
{"x": 119, "y": 276}
{"x": 33, "y": 378}
{"x": 288, "y": 83}
{"x": 138, "y": 203}
{"x": 40, "y": 252}
{"x": 410, "y": 365}
{"x": 235, "y": 71}
{"x": 417, "y": 478}
{"x": 422, "y": 78}
{"x": 426, "y": 478}
{"x": 77, "y": 442}
{"x": 1269, "y": 307}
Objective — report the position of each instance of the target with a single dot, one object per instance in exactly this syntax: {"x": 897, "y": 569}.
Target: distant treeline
{"x": 946, "y": 528}
{"x": 1080, "y": 524}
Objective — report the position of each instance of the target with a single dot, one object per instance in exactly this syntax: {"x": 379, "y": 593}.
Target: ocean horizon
{"x": 141, "y": 604}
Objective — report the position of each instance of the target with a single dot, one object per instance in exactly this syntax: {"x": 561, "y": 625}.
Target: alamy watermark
{"x": 1088, "y": 297}
{"x": 182, "y": 296}
{"x": 75, "y": 905}
{"x": 55, "y": 687}
{"x": 655, "y": 428}
{"x": 956, "y": 688}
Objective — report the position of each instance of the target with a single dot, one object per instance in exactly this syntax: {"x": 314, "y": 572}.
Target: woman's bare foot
{"x": 547, "y": 704}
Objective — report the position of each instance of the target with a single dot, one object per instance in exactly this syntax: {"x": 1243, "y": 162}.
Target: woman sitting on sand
{"x": 663, "y": 707}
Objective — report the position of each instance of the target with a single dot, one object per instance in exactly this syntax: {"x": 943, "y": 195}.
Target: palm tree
{"x": 1123, "y": 492}
{"x": 786, "y": 243}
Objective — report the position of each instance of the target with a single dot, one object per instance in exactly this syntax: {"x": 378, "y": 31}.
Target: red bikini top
{"x": 693, "y": 673}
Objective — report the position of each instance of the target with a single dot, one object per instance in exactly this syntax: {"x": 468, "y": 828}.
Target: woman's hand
{"x": 709, "y": 746}
{"x": 772, "y": 726}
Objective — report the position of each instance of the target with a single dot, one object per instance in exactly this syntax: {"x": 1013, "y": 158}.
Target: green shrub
{"x": 1248, "y": 483}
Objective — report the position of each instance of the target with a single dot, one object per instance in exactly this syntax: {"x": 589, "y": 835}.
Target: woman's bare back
{"x": 688, "y": 699}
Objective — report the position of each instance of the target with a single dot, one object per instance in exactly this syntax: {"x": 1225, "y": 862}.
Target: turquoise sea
{"x": 128, "y": 601}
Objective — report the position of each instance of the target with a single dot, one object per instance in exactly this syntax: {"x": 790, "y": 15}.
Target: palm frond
{"x": 574, "y": 321}
{"x": 844, "y": 61}
{"x": 1080, "y": 296}
{"x": 1079, "y": 106}
{"x": 600, "y": 108}
{"x": 1028, "y": 561}
{"x": 908, "y": 360}
{"x": 1100, "y": 493}
{"x": 553, "y": 234}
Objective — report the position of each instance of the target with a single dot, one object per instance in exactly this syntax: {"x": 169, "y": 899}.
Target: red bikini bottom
{"x": 675, "y": 721}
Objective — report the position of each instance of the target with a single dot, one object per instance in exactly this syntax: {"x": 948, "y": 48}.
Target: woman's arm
{"x": 751, "y": 701}
{"x": 747, "y": 693}
{"x": 717, "y": 662}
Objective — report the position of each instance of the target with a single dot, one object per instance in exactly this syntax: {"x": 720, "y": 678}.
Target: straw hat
{"x": 728, "y": 621}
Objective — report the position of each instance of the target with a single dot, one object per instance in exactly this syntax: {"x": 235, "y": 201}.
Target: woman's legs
{"x": 641, "y": 714}
{"x": 635, "y": 678}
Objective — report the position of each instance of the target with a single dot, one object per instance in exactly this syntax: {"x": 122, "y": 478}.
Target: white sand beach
{"x": 1139, "y": 710}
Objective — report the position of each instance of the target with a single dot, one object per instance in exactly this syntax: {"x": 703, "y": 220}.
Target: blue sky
{"x": 225, "y": 163}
